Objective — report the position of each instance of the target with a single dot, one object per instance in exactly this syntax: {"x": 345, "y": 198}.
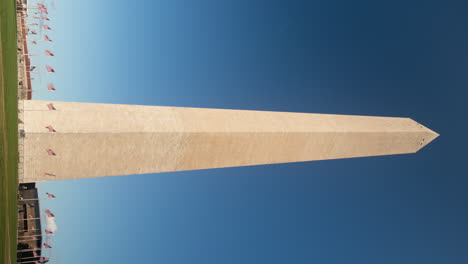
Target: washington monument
{"x": 62, "y": 140}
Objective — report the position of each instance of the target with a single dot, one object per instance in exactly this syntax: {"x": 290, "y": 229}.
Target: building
{"x": 24, "y": 62}
{"x": 29, "y": 223}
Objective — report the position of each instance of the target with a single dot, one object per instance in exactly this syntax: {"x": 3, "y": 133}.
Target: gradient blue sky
{"x": 392, "y": 58}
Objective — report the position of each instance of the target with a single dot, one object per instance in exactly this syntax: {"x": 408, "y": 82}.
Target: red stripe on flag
{"x": 49, "y": 53}
{"x": 49, "y": 68}
{"x": 51, "y": 106}
{"x": 50, "y": 128}
{"x": 51, "y": 87}
{"x": 50, "y": 152}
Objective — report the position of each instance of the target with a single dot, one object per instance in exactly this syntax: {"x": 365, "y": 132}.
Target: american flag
{"x": 47, "y": 245}
{"x": 51, "y": 106}
{"x": 51, "y": 129}
{"x": 44, "y": 18}
{"x": 44, "y": 259}
{"x": 33, "y": 32}
{"x": 49, "y": 213}
{"x": 49, "y": 174}
{"x": 49, "y": 68}
{"x": 51, "y": 87}
{"x": 49, "y": 195}
{"x": 32, "y": 68}
{"x": 50, "y": 152}
{"x": 34, "y": 42}
{"x": 39, "y": 5}
{"x": 46, "y": 38}
{"x": 44, "y": 11}
{"x": 49, "y": 53}
{"x": 46, "y": 27}
{"x": 47, "y": 231}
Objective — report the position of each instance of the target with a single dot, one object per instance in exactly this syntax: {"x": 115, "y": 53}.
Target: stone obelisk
{"x": 63, "y": 140}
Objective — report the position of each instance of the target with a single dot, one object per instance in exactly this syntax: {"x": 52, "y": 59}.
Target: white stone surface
{"x": 96, "y": 140}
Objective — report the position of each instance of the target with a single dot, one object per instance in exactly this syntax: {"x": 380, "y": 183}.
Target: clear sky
{"x": 383, "y": 58}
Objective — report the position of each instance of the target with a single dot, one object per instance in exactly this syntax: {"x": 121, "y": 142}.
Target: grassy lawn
{"x": 8, "y": 132}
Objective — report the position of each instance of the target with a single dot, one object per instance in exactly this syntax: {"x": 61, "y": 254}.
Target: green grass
{"x": 8, "y": 132}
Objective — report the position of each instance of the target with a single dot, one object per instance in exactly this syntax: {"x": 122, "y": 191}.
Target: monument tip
{"x": 427, "y": 136}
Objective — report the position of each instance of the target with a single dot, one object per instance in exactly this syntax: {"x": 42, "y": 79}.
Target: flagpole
{"x": 36, "y": 155}
{"x": 40, "y": 155}
{"x": 39, "y": 261}
{"x": 28, "y": 239}
{"x": 36, "y": 261}
{"x": 38, "y": 199}
{"x": 38, "y": 55}
{"x": 29, "y": 250}
{"x": 29, "y": 257}
{"x": 31, "y": 236}
{"x": 26, "y": 230}
{"x": 40, "y": 91}
{"x": 38, "y": 19}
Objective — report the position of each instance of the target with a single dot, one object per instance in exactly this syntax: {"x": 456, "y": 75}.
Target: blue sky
{"x": 395, "y": 58}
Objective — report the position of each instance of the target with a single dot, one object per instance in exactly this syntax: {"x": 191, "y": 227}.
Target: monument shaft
{"x": 96, "y": 140}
